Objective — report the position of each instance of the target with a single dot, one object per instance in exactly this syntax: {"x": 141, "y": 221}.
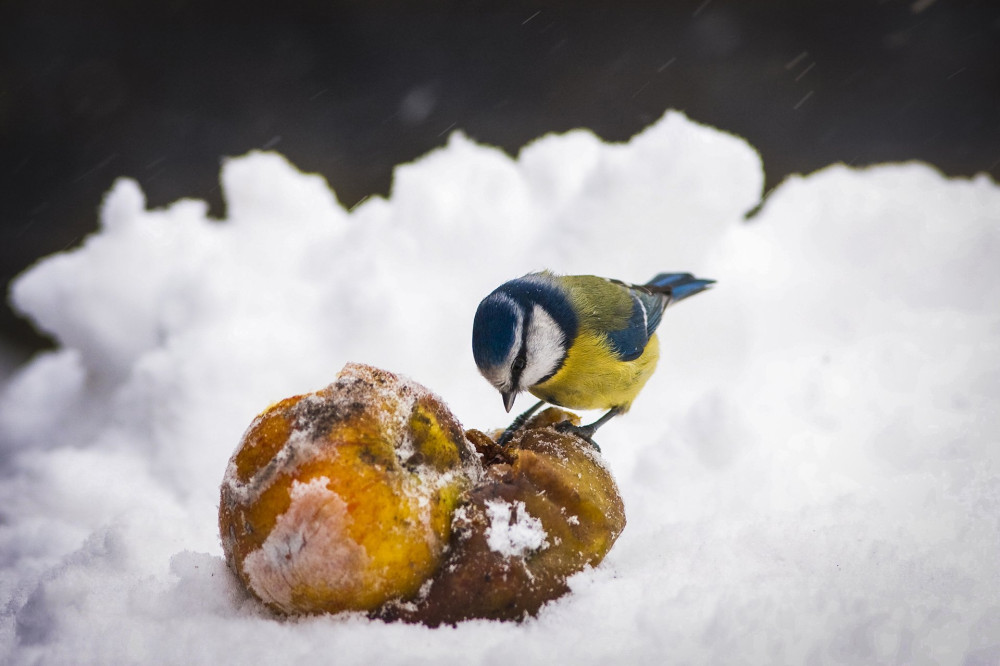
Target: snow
{"x": 813, "y": 474}
{"x": 513, "y": 532}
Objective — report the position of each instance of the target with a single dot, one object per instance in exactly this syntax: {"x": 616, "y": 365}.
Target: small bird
{"x": 576, "y": 341}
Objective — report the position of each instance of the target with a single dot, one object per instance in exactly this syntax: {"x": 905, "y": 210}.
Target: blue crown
{"x": 493, "y": 331}
{"x": 496, "y": 318}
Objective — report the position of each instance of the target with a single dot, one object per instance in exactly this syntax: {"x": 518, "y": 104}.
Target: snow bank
{"x": 812, "y": 475}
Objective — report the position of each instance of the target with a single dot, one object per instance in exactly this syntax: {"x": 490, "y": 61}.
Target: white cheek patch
{"x": 546, "y": 347}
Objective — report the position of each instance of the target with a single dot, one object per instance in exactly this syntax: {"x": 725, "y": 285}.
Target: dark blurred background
{"x": 91, "y": 90}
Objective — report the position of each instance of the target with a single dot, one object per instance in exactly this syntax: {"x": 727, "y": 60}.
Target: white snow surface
{"x": 812, "y": 476}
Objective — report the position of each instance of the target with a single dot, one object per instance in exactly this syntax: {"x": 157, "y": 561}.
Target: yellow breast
{"x": 593, "y": 378}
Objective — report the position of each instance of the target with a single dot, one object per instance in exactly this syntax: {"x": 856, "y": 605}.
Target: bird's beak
{"x": 508, "y": 399}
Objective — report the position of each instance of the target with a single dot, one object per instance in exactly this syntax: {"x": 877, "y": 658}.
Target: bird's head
{"x": 517, "y": 341}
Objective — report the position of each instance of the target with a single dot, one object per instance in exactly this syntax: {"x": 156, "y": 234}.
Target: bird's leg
{"x": 587, "y": 432}
{"x": 517, "y": 423}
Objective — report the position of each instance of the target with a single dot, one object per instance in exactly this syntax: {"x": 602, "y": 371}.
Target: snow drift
{"x": 813, "y": 474}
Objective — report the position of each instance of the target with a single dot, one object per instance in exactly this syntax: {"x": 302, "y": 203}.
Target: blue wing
{"x": 648, "y": 303}
{"x": 628, "y": 343}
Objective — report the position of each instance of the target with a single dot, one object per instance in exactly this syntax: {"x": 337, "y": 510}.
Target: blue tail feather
{"x": 665, "y": 289}
{"x": 680, "y": 285}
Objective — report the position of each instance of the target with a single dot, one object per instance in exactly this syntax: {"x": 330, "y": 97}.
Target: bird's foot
{"x": 585, "y": 433}
{"x": 509, "y": 433}
{"x": 517, "y": 423}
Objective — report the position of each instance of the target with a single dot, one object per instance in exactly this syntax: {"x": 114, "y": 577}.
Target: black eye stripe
{"x": 517, "y": 367}
{"x": 521, "y": 360}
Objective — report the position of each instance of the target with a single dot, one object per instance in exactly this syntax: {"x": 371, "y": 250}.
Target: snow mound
{"x": 813, "y": 474}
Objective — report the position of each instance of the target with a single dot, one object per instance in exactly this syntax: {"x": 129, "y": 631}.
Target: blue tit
{"x": 576, "y": 341}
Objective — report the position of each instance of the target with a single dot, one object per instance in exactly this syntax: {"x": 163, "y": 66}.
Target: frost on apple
{"x": 513, "y": 531}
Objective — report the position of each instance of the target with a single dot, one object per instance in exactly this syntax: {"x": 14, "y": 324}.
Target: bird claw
{"x": 516, "y": 424}
{"x": 508, "y": 434}
{"x": 585, "y": 433}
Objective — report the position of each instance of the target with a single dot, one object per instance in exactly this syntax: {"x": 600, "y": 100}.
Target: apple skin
{"x": 550, "y": 479}
{"x": 342, "y": 499}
